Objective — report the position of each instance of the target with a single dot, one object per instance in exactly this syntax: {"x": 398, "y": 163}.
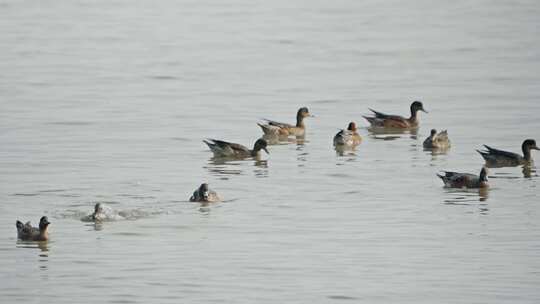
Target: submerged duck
{"x": 203, "y": 194}
{"x": 381, "y": 120}
{"x": 26, "y": 232}
{"x": 437, "y": 141}
{"x": 500, "y": 158}
{"x": 347, "y": 138}
{"x": 465, "y": 180}
{"x": 283, "y": 129}
{"x": 99, "y": 214}
{"x": 222, "y": 148}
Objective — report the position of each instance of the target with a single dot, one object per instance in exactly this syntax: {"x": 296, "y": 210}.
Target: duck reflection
{"x": 227, "y": 167}
{"x": 468, "y": 197}
{"x": 529, "y": 171}
{"x": 43, "y": 255}
{"x": 392, "y": 134}
{"x": 273, "y": 140}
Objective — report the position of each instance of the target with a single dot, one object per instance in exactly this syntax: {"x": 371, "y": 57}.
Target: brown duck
{"x": 381, "y": 120}
{"x": 26, "y": 232}
{"x": 281, "y": 129}
{"x": 464, "y": 180}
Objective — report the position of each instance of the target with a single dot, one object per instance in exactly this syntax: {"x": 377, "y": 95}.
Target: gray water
{"x": 108, "y": 101}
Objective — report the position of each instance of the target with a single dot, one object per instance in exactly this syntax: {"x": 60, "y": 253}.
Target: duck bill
{"x": 535, "y": 148}
{"x": 422, "y": 109}
{"x": 266, "y": 150}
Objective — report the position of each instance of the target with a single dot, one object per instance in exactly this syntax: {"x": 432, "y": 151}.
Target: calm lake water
{"x": 108, "y": 101}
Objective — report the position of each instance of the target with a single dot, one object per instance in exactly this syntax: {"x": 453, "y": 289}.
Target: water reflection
{"x": 345, "y": 150}
{"x": 226, "y": 167}
{"x": 467, "y": 197}
{"x": 43, "y": 246}
{"x": 273, "y": 139}
{"x": 392, "y": 134}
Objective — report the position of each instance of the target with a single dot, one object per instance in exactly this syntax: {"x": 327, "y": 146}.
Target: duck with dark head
{"x": 203, "y": 194}
{"x": 226, "y": 149}
{"x": 26, "y": 232}
{"x": 496, "y": 158}
{"x": 437, "y": 141}
{"x": 275, "y": 128}
{"x": 382, "y": 120}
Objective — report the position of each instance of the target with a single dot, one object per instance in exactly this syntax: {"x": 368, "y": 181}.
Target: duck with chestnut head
{"x": 465, "y": 180}
{"x": 348, "y": 137}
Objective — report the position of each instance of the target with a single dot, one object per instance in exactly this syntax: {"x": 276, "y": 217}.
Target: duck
{"x": 437, "y": 141}
{"x": 275, "y": 128}
{"x": 26, "y": 232}
{"x": 222, "y": 148}
{"x": 381, "y": 120}
{"x": 348, "y": 137}
{"x": 500, "y": 158}
{"x": 465, "y": 180}
{"x": 99, "y": 214}
{"x": 203, "y": 194}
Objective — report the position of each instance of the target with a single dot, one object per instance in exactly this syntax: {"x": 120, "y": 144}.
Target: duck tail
{"x": 19, "y": 225}
{"x": 370, "y": 119}
{"x": 268, "y": 129}
{"x": 482, "y": 153}
{"x": 209, "y": 143}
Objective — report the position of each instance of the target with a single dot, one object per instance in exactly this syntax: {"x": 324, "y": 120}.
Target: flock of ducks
{"x": 344, "y": 139}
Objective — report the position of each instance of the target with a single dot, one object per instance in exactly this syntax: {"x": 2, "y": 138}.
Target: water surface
{"x": 108, "y": 101}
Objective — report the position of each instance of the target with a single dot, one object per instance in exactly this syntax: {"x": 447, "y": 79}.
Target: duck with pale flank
{"x": 26, "y": 232}
{"x": 203, "y": 194}
{"x": 274, "y": 128}
{"x": 500, "y": 158}
{"x": 464, "y": 180}
{"x": 222, "y": 148}
{"x": 347, "y": 138}
{"x": 381, "y": 120}
{"x": 102, "y": 213}
{"x": 437, "y": 141}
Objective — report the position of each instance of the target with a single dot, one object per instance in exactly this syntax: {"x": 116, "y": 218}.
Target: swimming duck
{"x": 381, "y": 120}
{"x": 26, "y": 232}
{"x": 465, "y": 180}
{"x": 437, "y": 141}
{"x": 349, "y": 137}
{"x": 203, "y": 194}
{"x": 283, "y": 129}
{"x": 500, "y": 158}
{"x": 222, "y": 148}
{"x": 99, "y": 214}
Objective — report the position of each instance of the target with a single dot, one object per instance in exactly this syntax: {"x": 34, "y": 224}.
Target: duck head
{"x": 43, "y": 223}
{"x": 204, "y": 191}
{"x": 483, "y": 175}
{"x": 433, "y": 132}
{"x": 527, "y": 146}
{"x": 261, "y": 144}
{"x": 530, "y": 144}
{"x": 352, "y": 126}
{"x": 303, "y": 112}
{"x": 417, "y": 106}
{"x": 98, "y": 208}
